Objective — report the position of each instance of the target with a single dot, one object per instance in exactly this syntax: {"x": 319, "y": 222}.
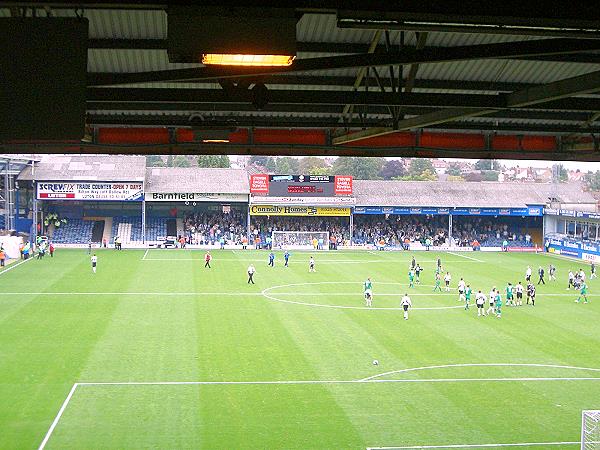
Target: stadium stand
{"x": 2, "y": 222}
{"x": 75, "y": 231}
{"x": 155, "y": 227}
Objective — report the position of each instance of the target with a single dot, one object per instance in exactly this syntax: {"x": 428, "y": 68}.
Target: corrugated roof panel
{"x": 124, "y": 24}
{"x": 130, "y": 60}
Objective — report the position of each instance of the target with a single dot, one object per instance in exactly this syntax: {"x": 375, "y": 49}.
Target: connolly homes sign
{"x": 277, "y": 210}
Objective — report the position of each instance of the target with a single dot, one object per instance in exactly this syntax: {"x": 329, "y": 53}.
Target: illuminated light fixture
{"x": 247, "y": 60}
{"x": 215, "y": 141}
{"x": 231, "y": 36}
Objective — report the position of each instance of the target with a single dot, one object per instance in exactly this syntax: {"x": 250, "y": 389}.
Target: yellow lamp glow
{"x": 247, "y": 60}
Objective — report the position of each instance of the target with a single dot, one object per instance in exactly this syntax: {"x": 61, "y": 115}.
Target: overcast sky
{"x": 571, "y": 165}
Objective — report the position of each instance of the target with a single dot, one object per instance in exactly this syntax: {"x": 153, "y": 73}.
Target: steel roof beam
{"x": 320, "y": 47}
{"x": 491, "y": 102}
{"x": 403, "y": 56}
{"x": 547, "y": 94}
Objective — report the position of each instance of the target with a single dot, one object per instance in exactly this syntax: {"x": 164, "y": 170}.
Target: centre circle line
{"x": 267, "y": 294}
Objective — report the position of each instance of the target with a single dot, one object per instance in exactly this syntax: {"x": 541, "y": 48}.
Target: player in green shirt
{"x": 498, "y": 305}
{"x": 467, "y": 296}
{"x": 582, "y": 293}
{"x": 368, "y": 292}
{"x": 438, "y": 280}
{"x": 411, "y": 279}
{"x": 509, "y": 294}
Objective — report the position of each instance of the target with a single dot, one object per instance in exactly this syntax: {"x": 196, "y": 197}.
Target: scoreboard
{"x": 301, "y": 185}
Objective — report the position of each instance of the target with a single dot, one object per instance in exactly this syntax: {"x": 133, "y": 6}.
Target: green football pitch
{"x": 155, "y": 351}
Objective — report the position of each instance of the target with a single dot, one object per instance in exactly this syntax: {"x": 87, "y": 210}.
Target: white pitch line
{"x": 447, "y": 366}
{"x": 464, "y": 256}
{"x": 145, "y": 254}
{"x": 58, "y": 416}
{"x": 520, "y": 444}
{"x": 14, "y": 266}
{"x": 294, "y": 382}
{"x": 175, "y": 294}
{"x": 329, "y": 261}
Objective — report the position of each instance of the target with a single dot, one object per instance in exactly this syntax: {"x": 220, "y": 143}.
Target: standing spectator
{"x": 207, "y": 259}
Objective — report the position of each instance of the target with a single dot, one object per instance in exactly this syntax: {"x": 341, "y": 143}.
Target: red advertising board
{"x": 343, "y": 185}
{"x": 259, "y": 184}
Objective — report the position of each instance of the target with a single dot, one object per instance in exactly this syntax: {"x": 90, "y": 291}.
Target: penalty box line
{"x": 519, "y": 444}
{"x": 75, "y": 386}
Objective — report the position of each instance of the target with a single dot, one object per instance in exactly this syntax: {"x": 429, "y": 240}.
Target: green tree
{"x": 454, "y": 170}
{"x": 392, "y": 169}
{"x": 267, "y": 162}
{"x": 181, "y": 161}
{"x": 361, "y": 168}
{"x": 221, "y": 161}
{"x": 310, "y": 164}
{"x": 563, "y": 174}
{"x": 592, "y": 180}
{"x": 286, "y": 165}
{"x": 420, "y": 165}
{"x": 170, "y": 161}
{"x": 490, "y": 175}
{"x": 488, "y": 164}
{"x": 154, "y": 161}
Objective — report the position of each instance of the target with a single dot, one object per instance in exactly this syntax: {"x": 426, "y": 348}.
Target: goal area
{"x": 590, "y": 429}
{"x": 300, "y": 240}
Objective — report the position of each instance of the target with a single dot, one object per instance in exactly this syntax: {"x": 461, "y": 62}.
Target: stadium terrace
{"x": 75, "y": 200}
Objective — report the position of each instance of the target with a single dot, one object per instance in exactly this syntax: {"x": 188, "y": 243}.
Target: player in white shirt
{"x": 311, "y": 265}
{"x": 94, "y": 260}
{"x": 491, "y": 299}
{"x": 447, "y": 279}
{"x": 581, "y": 275}
{"x": 480, "y": 302}
{"x": 461, "y": 290}
{"x": 528, "y": 274}
{"x": 519, "y": 292}
{"x": 406, "y": 305}
{"x": 571, "y": 280}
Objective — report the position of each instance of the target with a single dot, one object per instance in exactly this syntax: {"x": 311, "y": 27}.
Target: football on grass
{"x": 375, "y": 362}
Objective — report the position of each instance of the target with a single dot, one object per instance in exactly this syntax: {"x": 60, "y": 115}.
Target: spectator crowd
{"x": 214, "y": 227}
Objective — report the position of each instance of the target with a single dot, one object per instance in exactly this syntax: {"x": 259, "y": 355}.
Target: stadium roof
{"x": 355, "y": 72}
{"x": 196, "y": 180}
{"x": 87, "y": 168}
{"x": 455, "y": 194}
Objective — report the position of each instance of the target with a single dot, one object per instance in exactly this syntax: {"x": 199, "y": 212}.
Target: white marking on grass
{"x": 369, "y": 380}
{"x": 318, "y": 262}
{"x": 296, "y": 382}
{"x": 519, "y": 444}
{"x": 446, "y": 366}
{"x": 14, "y": 266}
{"x": 58, "y": 416}
{"x": 273, "y": 297}
{"x": 145, "y": 254}
{"x": 465, "y": 256}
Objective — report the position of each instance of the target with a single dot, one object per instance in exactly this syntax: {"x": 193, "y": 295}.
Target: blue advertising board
{"x": 529, "y": 211}
{"x": 571, "y": 213}
{"x": 589, "y": 251}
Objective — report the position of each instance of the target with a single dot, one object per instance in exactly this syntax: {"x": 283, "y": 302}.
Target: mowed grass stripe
{"x": 246, "y": 337}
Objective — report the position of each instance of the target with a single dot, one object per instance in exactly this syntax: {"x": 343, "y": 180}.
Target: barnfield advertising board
{"x": 276, "y": 210}
{"x": 93, "y": 191}
{"x": 194, "y": 197}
